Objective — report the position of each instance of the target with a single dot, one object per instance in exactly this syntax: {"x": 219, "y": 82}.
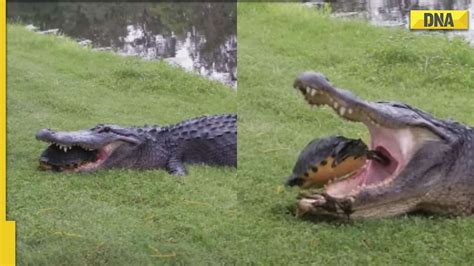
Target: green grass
{"x": 214, "y": 216}
{"x": 276, "y": 42}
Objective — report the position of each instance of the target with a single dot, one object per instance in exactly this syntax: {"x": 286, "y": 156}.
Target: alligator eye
{"x": 104, "y": 130}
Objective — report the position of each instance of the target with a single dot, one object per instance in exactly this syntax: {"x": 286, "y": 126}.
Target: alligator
{"x": 429, "y": 163}
{"x": 210, "y": 140}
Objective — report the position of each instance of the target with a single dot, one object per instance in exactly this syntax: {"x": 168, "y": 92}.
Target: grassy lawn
{"x": 279, "y": 41}
{"x": 216, "y": 216}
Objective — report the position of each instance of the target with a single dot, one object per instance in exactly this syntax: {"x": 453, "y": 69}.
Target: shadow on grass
{"x": 289, "y": 212}
{"x": 428, "y": 215}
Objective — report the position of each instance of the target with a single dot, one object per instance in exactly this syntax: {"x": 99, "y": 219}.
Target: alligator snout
{"x": 44, "y": 133}
{"x": 311, "y": 80}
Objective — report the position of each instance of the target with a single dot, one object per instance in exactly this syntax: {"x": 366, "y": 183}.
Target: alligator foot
{"x": 176, "y": 167}
{"x": 323, "y": 204}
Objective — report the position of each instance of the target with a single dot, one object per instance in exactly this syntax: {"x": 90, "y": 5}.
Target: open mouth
{"x": 60, "y": 157}
{"x": 374, "y": 172}
{"x": 390, "y": 148}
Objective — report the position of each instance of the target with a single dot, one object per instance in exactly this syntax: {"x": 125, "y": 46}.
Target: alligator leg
{"x": 324, "y": 204}
{"x": 176, "y": 167}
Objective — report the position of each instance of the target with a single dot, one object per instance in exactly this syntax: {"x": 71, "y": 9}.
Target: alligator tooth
{"x": 313, "y": 92}
{"x": 308, "y": 90}
{"x": 342, "y": 111}
{"x": 336, "y": 105}
{"x": 349, "y": 111}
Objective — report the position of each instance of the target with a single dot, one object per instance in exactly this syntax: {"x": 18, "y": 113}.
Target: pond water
{"x": 395, "y": 13}
{"x": 199, "y": 37}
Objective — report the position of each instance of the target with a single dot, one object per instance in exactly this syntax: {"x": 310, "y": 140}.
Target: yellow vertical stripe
{"x": 7, "y": 229}
{"x": 7, "y": 243}
{"x": 3, "y": 121}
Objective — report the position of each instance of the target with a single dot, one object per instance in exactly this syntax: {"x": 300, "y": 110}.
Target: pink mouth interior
{"x": 102, "y": 155}
{"x": 376, "y": 172}
{"x": 385, "y": 141}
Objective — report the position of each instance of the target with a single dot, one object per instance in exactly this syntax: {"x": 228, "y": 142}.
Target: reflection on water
{"x": 395, "y": 12}
{"x": 200, "y": 37}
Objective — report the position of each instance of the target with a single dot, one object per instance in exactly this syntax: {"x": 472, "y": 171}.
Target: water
{"x": 395, "y": 13}
{"x": 199, "y": 37}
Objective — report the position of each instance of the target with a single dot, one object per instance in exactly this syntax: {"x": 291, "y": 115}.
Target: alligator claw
{"x": 323, "y": 204}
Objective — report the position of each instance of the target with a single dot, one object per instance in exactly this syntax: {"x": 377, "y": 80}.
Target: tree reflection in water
{"x": 199, "y": 37}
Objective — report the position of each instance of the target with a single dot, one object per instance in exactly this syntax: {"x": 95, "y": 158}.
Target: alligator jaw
{"x": 391, "y": 135}
{"x": 318, "y": 91}
{"x": 74, "y": 158}
{"x": 80, "y": 151}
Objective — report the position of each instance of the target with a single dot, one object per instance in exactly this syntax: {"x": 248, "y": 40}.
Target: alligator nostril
{"x": 105, "y": 129}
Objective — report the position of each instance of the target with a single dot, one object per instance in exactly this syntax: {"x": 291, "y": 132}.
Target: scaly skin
{"x": 431, "y": 167}
{"x": 210, "y": 140}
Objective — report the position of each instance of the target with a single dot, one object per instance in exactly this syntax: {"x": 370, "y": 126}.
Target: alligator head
{"x": 87, "y": 150}
{"x": 428, "y": 163}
